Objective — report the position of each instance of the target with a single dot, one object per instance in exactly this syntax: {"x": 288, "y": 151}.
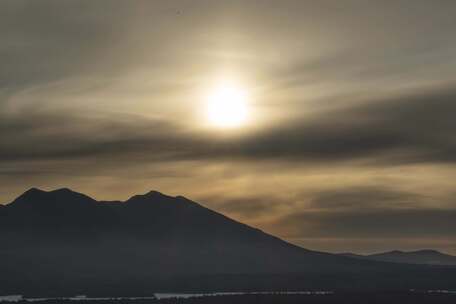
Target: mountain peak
{"x": 150, "y": 197}
{"x": 35, "y": 197}
{"x": 63, "y": 191}
{"x": 30, "y": 194}
{"x": 33, "y": 191}
{"x": 36, "y": 191}
{"x": 154, "y": 193}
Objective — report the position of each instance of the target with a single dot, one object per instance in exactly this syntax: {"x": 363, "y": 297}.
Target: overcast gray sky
{"x": 350, "y": 143}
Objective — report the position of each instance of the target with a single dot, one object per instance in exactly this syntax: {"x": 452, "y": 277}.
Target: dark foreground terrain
{"x": 62, "y": 242}
{"x": 337, "y": 298}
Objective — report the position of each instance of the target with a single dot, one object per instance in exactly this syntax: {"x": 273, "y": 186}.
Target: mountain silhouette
{"x": 63, "y": 241}
{"x": 425, "y": 256}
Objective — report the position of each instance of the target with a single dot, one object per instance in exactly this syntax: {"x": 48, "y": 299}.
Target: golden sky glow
{"x": 300, "y": 117}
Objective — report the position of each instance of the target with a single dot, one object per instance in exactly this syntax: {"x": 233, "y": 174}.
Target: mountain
{"x": 62, "y": 241}
{"x": 426, "y": 257}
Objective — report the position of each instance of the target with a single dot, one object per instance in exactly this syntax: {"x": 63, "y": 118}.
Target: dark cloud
{"x": 246, "y": 206}
{"x": 415, "y": 128}
{"x": 40, "y": 43}
{"x": 365, "y": 198}
{"x": 387, "y": 223}
{"x": 409, "y": 129}
{"x": 50, "y": 40}
{"x": 370, "y": 212}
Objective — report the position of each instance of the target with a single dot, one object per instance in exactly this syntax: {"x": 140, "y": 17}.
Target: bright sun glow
{"x": 227, "y": 106}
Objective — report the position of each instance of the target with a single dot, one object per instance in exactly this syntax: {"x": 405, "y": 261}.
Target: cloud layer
{"x": 353, "y": 133}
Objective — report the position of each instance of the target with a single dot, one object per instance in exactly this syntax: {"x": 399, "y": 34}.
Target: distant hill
{"x": 66, "y": 242}
{"x": 426, "y": 257}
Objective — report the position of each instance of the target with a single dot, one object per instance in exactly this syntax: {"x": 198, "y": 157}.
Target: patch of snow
{"x": 17, "y": 298}
{"x": 11, "y": 298}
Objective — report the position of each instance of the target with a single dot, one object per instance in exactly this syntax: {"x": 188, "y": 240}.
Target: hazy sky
{"x": 350, "y": 144}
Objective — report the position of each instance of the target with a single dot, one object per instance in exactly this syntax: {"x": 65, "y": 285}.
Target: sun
{"x": 227, "y": 106}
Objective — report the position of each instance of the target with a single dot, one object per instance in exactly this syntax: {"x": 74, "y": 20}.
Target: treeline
{"x": 339, "y": 298}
